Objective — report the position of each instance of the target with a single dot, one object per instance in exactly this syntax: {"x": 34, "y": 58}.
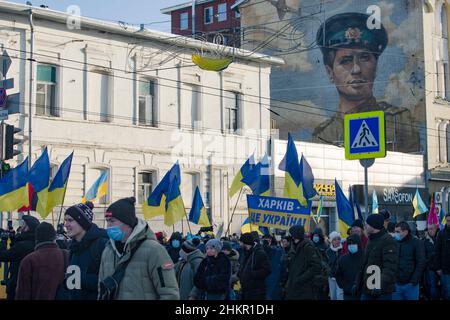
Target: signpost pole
{"x": 366, "y": 163}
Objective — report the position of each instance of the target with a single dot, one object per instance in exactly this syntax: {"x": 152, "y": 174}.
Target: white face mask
{"x": 336, "y": 249}
{"x": 278, "y": 238}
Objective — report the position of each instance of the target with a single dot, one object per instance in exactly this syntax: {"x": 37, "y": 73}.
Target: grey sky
{"x": 131, "y": 11}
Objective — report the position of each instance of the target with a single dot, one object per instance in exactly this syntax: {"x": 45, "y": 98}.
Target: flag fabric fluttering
{"x": 346, "y": 216}
{"x": 433, "y": 217}
{"x": 175, "y": 210}
{"x": 355, "y": 206}
{"x": 98, "y": 189}
{"x": 319, "y": 209}
{"x": 293, "y": 187}
{"x": 155, "y": 205}
{"x": 374, "y": 202}
{"x": 38, "y": 183}
{"x": 14, "y": 189}
{"x": 198, "y": 213}
{"x": 307, "y": 179}
{"x": 250, "y": 227}
{"x": 243, "y": 172}
{"x": 258, "y": 179}
{"x": 57, "y": 189}
{"x": 418, "y": 204}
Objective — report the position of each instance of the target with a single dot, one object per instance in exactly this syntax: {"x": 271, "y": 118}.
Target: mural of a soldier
{"x": 350, "y": 53}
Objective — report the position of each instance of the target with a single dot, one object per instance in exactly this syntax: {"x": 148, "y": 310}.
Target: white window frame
{"x": 149, "y": 99}
{"x": 154, "y": 174}
{"x": 227, "y": 118}
{"x": 197, "y": 182}
{"x": 222, "y": 15}
{"x": 205, "y": 11}
{"x": 184, "y": 20}
{"x": 50, "y": 110}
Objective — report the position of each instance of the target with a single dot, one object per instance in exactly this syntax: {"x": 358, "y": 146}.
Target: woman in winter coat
{"x": 174, "y": 245}
{"x": 186, "y": 268}
{"x": 333, "y": 254}
{"x": 233, "y": 255}
{"x": 213, "y": 276}
{"x": 86, "y": 248}
{"x": 318, "y": 239}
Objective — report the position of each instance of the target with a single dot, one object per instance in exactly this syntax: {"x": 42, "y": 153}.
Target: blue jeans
{"x": 445, "y": 283}
{"x": 387, "y": 296}
{"x": 406, "y": 292}
{"x": 431, "y": 280}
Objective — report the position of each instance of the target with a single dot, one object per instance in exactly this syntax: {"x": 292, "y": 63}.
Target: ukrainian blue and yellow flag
{"x": 293, "y": 187}
{"x": 14, "y": 188}
{"x": 57, "y": 189}
{"x": 98, "y": 189}
{"x": 419, "y": 206}
{"x": 346, "y": 215}
{"x": 198, "y": 213}
{"x": 319, "y": 210}
{"x": 243, "y": 172}
{"x": 39, "y": 177}
{"x": 175, "y": 210}
{"x": 307, "y": 179}
{"x": 156, "y": 203}
{"x": 258, "y": 179}
{"x": 250, "y": 227}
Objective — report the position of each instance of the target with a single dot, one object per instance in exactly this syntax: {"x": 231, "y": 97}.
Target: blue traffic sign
{"x": 365, "y": 135}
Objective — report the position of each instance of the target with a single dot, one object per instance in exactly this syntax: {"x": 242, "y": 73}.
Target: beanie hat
{"x": 214, "y": 243}
{"x": 82, "y": 214}
{"x": 391, "y": 227}
{"x": 45, "y": 233}
{"x": 176, "y": 236}
{"x": 358, "y": 223}
{"x": 376, "y": 221}
{"x": 386, "y": 214}
{"x": 31, "y": 222}
{"x": 334, "y": 235}
{"x": 188, "y": 246}
{"x": 297, "y": 232}
{"x": 226, "y": 245}
{"x": 355, "y": 239}
{"x": 248, "y": 238}
{"x": 124, "y": 211}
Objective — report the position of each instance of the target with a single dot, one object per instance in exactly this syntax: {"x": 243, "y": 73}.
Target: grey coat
{"x": 185, "y": 271}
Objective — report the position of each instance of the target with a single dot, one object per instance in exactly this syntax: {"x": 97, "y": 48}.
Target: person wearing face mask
{"x": 254, "y": 269}
{"x": 333, "y": 253}
{"x": 304, "y": 265}
{"x": 318, "y": 239}
{"x": 348, "y": 266}
{"x": 357, "y": 228}
{"x": 213, "y": 276}
{"x": 381, "y": 253}
{"x": 186, "y": 268}
{"x": 411, "y": 263}
{"x": 174, "y": 245}
{"x": 86, "y": 247}
{"x": 149, "y": 273}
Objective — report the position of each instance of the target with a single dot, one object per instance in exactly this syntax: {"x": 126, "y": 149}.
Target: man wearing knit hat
{"x": 134, "y": 245}
{"x": 23, "y": 245}
{"x": 185, "y": 269}
{"x": 381, "y": 254}
{"x": 42, "y": 271}
{"x": 86, "y": 247}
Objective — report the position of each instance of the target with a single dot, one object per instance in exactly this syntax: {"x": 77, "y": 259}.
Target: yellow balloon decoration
{"x": 211, "y": 64}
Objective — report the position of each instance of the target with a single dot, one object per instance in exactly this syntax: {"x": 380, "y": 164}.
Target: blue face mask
{"x": 316, "y": 239}
{"x": 115, "y": 233}
{"x": 397, "y": 237}
{"x": 353, "y": 248}
{"x": 175, "y": 243}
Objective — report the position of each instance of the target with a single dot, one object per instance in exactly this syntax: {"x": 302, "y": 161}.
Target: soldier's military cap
{"x": 349, "y": 30}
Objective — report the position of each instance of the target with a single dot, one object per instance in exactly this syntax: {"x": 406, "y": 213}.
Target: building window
{"x": 145, "y": 185}
{"x": 99, "y": 96}
{"x": 184, "y": 21}
{"x": 46, "y": 91}
{"x": 232, "y": 106}
{"x": 209, "y": 15}
{"x": 147, "y": 103}
{"x": 222, "y": 12}
{"x": 189, "y": 181}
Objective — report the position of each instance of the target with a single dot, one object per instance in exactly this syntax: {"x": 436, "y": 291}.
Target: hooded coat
{"x": 321, "y": 245}
{"x": 185, "y": 271}
{"x": 214, "y": 275}
{"x": 348, "y": 267}
{"x": 150, "y": 273}
{"x": 442, "y": 251}
{"x": 174, "y": 253}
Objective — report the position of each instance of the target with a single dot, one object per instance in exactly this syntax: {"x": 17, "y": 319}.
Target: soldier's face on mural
{"x": 353, "y": 72}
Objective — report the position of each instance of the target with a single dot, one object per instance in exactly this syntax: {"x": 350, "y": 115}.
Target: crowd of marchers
{"x": 376, "y": 260}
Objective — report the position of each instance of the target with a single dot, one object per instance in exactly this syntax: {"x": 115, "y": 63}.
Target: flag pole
{"x": 62, "y": 204}
{"x": 187, "y": 220}
{"x": 234, "y": 210}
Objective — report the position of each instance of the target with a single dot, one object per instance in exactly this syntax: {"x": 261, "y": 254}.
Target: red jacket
{"x": 364, "y": 241}
{"x": 40, "y": 273}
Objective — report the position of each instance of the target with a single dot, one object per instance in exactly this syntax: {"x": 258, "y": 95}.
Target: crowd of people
{"x": 378, "y": 260}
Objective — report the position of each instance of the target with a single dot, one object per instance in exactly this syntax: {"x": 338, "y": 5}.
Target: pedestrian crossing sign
{"x": 364, "y": 135}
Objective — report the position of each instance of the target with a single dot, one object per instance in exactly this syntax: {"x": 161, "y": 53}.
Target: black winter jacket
{"x": 348, "y": 267}
{"x": 214, "y": 274}
{"x": 411, "y": 260}
{"x": 332, "y": 257}
{"x": 442, "y": 251}
{"x": 24, "y": 244}
{"x": 253, "y": 273}
{"x": 381, "y": 251}
{"x": 429, "y": 245}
